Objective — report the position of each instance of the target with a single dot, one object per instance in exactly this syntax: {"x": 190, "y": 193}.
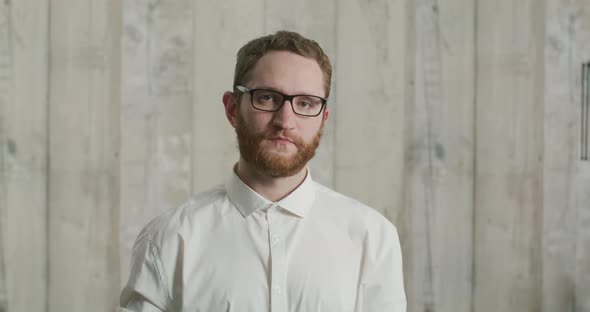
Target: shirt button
{"x": 277, "y": 290}
{"x": 275, "y": 239}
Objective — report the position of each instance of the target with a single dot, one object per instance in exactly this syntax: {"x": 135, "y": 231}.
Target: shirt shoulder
{"x": 352, "y": 211}
{"x": 184, "y": 218}
{"x": 160, "y": 244}
{"x": 333, "y": 200}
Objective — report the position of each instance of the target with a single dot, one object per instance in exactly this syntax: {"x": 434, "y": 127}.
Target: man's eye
{"x": 268, "y": 97}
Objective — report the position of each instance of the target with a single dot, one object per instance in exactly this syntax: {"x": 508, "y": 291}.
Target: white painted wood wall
{"x": 459, "y": 120}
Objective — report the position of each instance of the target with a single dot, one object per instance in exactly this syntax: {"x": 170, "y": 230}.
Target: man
{"x": 270, "y": 239}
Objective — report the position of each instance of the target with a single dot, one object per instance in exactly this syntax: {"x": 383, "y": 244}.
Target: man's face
{"x": 280, "y": 144}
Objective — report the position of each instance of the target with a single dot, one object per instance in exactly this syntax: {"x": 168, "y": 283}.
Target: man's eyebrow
{"x": 276, "y": 90}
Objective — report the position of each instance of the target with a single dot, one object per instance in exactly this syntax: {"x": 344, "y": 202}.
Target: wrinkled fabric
{"x": 230, "y": 249}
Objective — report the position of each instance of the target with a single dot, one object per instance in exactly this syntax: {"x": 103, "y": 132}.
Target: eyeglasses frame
{"x": 285, "y": 98}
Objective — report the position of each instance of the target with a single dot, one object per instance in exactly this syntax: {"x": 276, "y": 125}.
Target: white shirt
{"x": 230, "y": 249}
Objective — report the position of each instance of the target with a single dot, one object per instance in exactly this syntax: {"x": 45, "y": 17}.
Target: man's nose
{"x": 284, "y": 118}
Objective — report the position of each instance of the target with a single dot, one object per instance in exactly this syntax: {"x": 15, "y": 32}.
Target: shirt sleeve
{"x": 383, "y": 284}
{"x": 146, "y": 289}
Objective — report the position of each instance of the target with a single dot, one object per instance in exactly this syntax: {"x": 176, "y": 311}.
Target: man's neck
{"x": 271, "y": 188}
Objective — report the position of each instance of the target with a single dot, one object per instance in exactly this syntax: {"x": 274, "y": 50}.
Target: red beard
{"x": 267, "y": 163}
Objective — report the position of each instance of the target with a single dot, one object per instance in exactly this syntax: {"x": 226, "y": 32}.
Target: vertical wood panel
{"x": 156, "y": 113}
{"x": 372, "y": 64}
{"x": 23, "y": 155}
{"x": 566, "y": 268}
{"x": 84, "y": 166}
{"x": 580, "y": 179}
{"x": 509, "y": 134}
{"x": 440, "y": 158}
{"x": 220, "y": 29}
{"x": 5, "y": 74}
{"x": 559, "y": 228}
{"x": 581, "y": 200}
{"x": 315, "y": 20}
{"x": 371, "y": 95}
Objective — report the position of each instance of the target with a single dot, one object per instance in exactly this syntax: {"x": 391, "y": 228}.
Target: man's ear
{"x": 326, "y": 114}
{"x": 230, "y": 102}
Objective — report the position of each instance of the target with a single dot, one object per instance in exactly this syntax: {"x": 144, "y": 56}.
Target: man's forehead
{"x": 287, "y": 72}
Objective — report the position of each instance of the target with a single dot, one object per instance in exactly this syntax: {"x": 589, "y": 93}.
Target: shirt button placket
{"x": 278, "y": 299}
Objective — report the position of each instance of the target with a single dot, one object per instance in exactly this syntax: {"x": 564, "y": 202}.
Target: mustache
{"x": 273, "y": 134}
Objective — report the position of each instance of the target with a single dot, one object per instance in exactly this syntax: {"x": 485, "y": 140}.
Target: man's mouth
{"x": 282, "y": 139}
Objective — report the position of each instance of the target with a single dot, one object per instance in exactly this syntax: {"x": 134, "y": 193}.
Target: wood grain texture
{"x": 220, "y": 29}
{"x": 580, "y": 197}
{"x": 581, "y": 200}
{"x": 560, "y": 214}
{"x": 439, "y": 158}
{"x": 5, "y": 74}
{"x": 156, "y": 114}
{"x": 509, "y": 150}
{"x": 458, "y": 120}
{"x": 316, "y": 20}
{"x": 84, "y": 166}
{"x": 23, "y": 154}
{"x": 566, "y": 239}
{"x": 371, "y": 95}
{"x": 372, "y": 63}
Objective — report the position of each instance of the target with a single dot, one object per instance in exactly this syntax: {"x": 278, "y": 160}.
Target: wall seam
{"x": 474, "y": 163}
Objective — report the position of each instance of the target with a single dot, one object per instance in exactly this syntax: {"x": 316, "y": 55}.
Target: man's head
{"x": 281, "y": 141}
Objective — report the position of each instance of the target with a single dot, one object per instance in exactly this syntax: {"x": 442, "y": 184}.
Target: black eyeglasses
{"x": 272, "y": 101}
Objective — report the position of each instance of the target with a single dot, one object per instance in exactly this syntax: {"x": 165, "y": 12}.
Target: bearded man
{"x": 270, "y": 238}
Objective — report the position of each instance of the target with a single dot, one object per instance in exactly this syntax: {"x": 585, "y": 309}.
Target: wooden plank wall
{"x": 440, "y": 158}
{"x": 24, "y": 154}
{"x": 509, "y": 156}
{"x": 155, "y": 114}
{"x": 566, "y": 197}
{"x": 83, "y": 200}
{"x": 459, "y": 120}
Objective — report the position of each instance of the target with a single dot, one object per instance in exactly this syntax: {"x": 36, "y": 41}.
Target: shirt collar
{"x": 247, "y": 201}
